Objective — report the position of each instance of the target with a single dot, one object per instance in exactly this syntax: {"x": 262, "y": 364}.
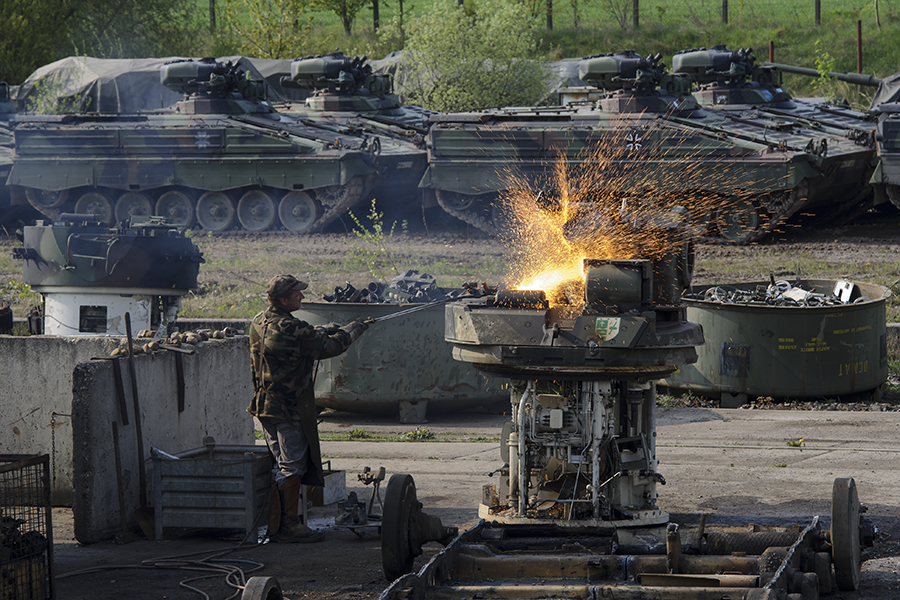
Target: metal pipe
{"x": 855, "y": 78}
{"x": 596, "y": 437}
{"x": 520, "y": 424}
{"x": 139, "y": 434}
{"x": 859, "y": 46}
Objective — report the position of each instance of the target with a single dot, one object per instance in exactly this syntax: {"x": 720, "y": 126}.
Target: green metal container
{"x": 401, "y": 364}
{"x": 756, "y": 350}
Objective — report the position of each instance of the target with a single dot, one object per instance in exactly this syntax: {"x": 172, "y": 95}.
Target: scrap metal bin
{"x": 26, "y": 530}
{"x": 397, "y": 365}
{"x": 211, "y": 487}
{"x": 788, "y": 351}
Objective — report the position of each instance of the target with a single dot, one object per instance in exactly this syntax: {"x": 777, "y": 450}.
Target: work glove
{"x": 330, "y": 328}
{"x": 355, "y": 329}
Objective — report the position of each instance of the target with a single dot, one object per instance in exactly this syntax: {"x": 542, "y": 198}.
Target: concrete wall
{"x": 54, "y": 400}
{"x": 217, "y": 392}
{"x": 36, "y": 390}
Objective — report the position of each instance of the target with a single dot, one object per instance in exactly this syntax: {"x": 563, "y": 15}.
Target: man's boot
{"x": 293, "y": 530}
{"x": 274, "y": 511}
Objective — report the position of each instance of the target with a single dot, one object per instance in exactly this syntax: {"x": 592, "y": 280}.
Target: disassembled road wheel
{"x": 847, "y": 534}
{"x": 405, "y": 528}
{"x": 262, "y": 588}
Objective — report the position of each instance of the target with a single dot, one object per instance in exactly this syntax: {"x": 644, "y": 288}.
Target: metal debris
{"x": 783, "y": 293}
{"x": 408, "y": 287}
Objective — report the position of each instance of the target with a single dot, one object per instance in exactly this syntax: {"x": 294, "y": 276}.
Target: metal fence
{"x": 637, "y": 13}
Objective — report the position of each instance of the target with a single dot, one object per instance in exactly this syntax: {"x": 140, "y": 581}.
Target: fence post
{"x": 725, "y": 11}
{"x": 859, "y": 46}
{"x": 636, "y": 20}
{"x": 771, "y": 51}
{"x": 550, "y": 15}
{"x": 818, "y": 12}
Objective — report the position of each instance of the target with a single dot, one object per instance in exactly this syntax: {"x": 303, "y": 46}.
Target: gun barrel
{"x": 857, "y": 78}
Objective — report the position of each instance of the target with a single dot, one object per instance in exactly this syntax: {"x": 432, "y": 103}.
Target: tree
{"x": 345, "y": 9}
{"x": 459, "y": 59}
{"x": 37, "y": 32}
{"x": 269, "y": 28}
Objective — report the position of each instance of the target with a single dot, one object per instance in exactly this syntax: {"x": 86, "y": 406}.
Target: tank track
{"x": 893, "y": 194}
{"x": 776, "y": 214}
{"x": 334, "y": 207}
{"x": 469, "y": 216}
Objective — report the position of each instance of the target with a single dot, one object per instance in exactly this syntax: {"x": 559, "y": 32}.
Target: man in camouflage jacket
{"x": 283, "y": 355}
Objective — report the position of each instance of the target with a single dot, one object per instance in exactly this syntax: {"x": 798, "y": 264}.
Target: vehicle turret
{"x": 635, "y": 83}
{"x": 342, "y": 83}
{"x": 212, "y": 87}
{"x": 731, "y": 77}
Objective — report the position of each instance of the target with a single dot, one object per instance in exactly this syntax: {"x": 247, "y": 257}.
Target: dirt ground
{"x": 724, "y": 463}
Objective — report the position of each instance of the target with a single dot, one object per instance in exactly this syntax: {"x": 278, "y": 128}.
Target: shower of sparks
{"x": 616, "y": 198}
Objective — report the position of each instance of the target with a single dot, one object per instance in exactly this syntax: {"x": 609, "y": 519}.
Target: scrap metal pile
{"x": 409, "y": 287}
{"x": 782, "y": 293}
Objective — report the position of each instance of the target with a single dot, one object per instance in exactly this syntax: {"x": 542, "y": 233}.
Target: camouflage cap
{"x": 282, "y": 285}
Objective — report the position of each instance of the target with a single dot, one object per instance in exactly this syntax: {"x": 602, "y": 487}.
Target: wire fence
{"x": 636, "y": 13}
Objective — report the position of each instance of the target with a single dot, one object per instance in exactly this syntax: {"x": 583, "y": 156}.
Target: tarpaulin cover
{"x": 130, "y": 85}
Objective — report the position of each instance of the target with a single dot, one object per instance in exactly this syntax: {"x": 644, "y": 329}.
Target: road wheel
{"x": 846, "y": 551}
{"x": 215, "y": 211}
{"x": 262, "y": 588}
{"x": 46, "y": 198}
{"x": 133, "y": 204}
{"x": 893, "y": 194}
{"x": 177, "y": 207}
{"x": 256, "y": 211}
{"x": 298, "y": 211}
{"x": 397, "y": 553}
{"x": 96, "y": 203}
{"x": 738, "y": 220}
{"x": 455, "y": 200}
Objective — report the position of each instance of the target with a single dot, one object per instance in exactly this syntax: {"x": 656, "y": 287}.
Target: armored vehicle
{"x": 11, "y": 213}
{"x": 347, "y": 92}
{"x": 733, "y": 82}
{"x": 647, "y": 137}
{"x": 222, "y": 157}
{"x": 888, "y": 138}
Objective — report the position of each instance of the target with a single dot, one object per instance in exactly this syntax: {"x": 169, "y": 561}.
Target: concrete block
{"x": 36, "y": 399}
{"x": 335, "y": 489}
{"x": 217, "y": 391}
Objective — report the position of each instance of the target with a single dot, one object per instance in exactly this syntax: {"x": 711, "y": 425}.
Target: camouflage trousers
{"x": 288, "y": 444}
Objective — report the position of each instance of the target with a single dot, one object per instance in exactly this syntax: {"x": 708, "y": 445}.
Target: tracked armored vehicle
{"x": 732, "y": 82}
{"x": 223, "y": 158}
{"x": 11, "y": 213}
{"x": 647, "y": 137}
{"x": 346, "y": 91}
{"x": 887, "y": 175}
